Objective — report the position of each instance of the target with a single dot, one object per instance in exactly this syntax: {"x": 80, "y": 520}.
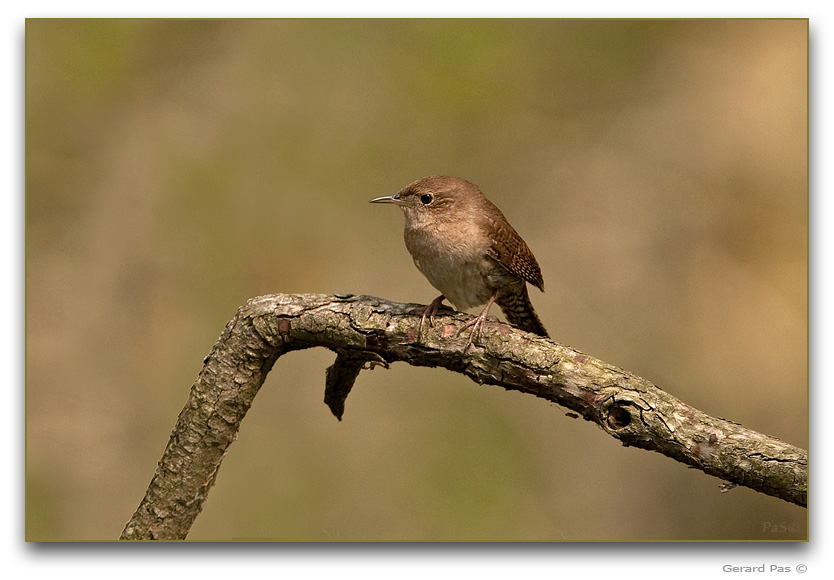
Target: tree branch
{"x": 365, "y": 331}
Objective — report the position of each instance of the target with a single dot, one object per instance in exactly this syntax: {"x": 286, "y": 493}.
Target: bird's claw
{"x": 428, "y": 312}
{"x": 476, "y": 324}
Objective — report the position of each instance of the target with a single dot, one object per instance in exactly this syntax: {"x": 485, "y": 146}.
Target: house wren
{"x": 468, "y": 250}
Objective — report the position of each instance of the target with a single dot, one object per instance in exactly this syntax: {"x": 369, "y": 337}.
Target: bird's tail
{"x": 519, "y": 311}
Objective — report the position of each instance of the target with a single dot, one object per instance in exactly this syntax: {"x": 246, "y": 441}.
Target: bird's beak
{"x": 388, "y": 199}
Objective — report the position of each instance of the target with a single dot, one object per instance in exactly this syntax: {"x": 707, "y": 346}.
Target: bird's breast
{"x": 453, "y": 257}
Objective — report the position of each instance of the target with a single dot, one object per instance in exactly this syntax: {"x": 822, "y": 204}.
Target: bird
{"x": 462, "y": 243}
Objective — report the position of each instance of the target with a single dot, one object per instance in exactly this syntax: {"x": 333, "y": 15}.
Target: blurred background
{"x": 174, "y": 169}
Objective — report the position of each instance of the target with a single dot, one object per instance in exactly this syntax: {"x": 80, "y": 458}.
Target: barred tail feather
{"x": 519, "y": 311}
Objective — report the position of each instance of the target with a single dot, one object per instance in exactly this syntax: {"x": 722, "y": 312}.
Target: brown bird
{"x": 468, "y": 250}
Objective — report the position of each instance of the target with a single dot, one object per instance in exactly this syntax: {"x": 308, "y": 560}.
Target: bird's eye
{"x": 426, "y": 198}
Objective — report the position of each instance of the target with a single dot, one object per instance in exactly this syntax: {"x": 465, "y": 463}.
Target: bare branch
{"x": 364, "y": 330}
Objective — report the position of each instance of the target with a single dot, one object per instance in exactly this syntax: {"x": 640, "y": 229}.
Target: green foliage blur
{"x": 176, "y": 168}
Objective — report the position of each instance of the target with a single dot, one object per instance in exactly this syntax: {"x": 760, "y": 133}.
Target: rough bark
{"x": 365, "y": 331}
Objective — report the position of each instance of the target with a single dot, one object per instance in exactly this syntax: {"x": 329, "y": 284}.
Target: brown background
{"x": 658, "y": 170}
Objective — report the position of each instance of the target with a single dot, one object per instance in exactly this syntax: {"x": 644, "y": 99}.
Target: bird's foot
{"x": 476, "y": 323}
{"x": 428, "y": 312}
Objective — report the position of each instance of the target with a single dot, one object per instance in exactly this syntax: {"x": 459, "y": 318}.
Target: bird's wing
{"x": 509, "y": 250}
